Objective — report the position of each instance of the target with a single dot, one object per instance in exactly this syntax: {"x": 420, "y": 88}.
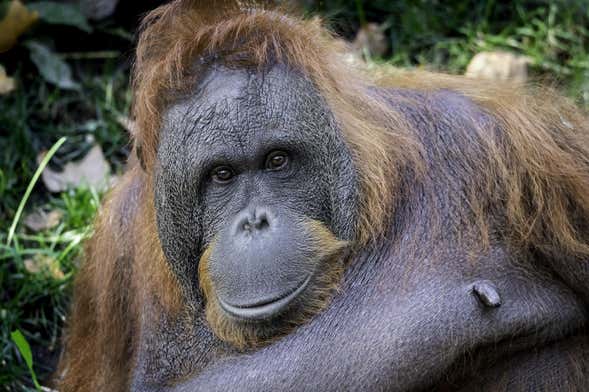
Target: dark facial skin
{"x": 246, "y": 166}
{"x": 422, "y": 310}
{"x": 270, "y": 269}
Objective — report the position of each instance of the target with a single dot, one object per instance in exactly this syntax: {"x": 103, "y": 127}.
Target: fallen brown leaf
{"x": 92, "y": 170}
{"x": 370, "y": 39}
{"x": 499, "y": 66}
{"x": 6, "y": 83}
{"x": 40, "y": 220}
{"x": 17, "y": 20}
{"x": 44, "y": 264}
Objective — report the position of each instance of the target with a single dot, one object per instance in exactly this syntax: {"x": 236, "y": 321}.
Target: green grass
{"x": 445, "y": 35}
{"x": 36, "y": 270}
{"x": 422, "y": 33}
{"x": 35, "y": 300}
{"x": 38, "y": 114}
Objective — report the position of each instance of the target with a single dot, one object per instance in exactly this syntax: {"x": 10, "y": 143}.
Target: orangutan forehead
{"x": 234, "y": 102}
{"x": 247, "y": 86}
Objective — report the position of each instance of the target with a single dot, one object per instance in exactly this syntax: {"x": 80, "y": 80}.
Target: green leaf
{"x": 51, "y": 67}
{"x": 61, "y": 14}
{"x": 25, "y": 350}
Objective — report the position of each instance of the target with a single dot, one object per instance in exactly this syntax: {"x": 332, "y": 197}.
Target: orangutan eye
{"x": 276, "y": 160}
{"x": 222, "y": 174}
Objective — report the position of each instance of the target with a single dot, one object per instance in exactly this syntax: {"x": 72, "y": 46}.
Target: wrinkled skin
{"x": 233, "y": 179}
{"x": 235, "y": 123}
{"x": 419, "y": 310}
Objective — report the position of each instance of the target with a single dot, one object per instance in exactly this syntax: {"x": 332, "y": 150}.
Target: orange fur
{"x": 102, "y": 318}
{"x": 124, "y": 265}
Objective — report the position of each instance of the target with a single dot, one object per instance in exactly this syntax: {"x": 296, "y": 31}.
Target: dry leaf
{"x": 498, "y": 66}
{"x": 41, "y": 220}
{"x": 32, "y": 266}
{"x": 129, "y": 125}
{"x": 6, "y": 83}
{"x": 92, "y": 170}
{"x": 16, "y": 21}
{"x": 370, "y": 40}
{"x": 41, "y": 263}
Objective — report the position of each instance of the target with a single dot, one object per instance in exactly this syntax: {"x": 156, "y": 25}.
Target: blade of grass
{"x": 34, "y": 180}
{"x": 25, "y": 350}
{"x": 361, "y": 14}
